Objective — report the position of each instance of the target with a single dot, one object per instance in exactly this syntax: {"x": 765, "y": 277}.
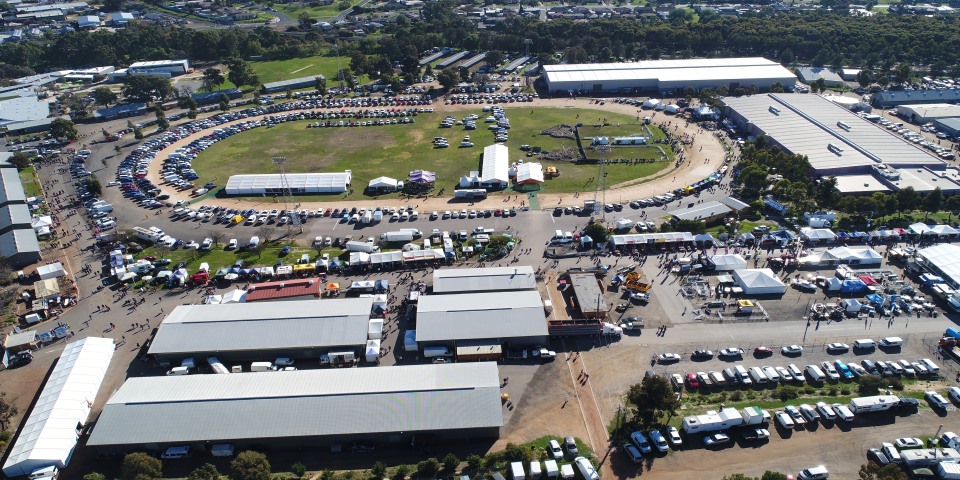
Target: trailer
{"x": 365, "y": 247}
{"x": 397, "y": 236}
{"x": 755, "y": 416}
{"x": 876, "y": 403}
{"x": 216, "y": 366}
{"x": 570, "y": 328}
{"x": 636, "y": 282}
{"x": 713, "y": 421}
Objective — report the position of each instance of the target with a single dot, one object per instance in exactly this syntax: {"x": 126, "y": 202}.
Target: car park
{"x": 668, "y": 358}
{"x": 702, "y": 355}
{"x": 570, "y": 445}
{"x": 762, "y": 352}
{"x": 674, "y": 436}
{"x": 659, "y": 441}
{"x": 755, "y": 434}
{"x": 730, "y": 352}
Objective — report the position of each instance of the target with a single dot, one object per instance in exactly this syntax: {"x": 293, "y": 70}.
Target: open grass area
{"x": 218, "y": 257}
{"x": 318, "y": 12}
{"x": 31, "y": 186}
{"x": 276, "y": 70}
{"x": 395, "y": 150}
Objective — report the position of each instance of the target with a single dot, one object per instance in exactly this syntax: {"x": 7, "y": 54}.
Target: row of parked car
{"x": 480, "y": 98}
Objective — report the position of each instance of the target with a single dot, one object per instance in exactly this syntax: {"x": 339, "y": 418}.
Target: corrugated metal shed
{"x": 15, "y": 215}
{"x": 293, "y": 83}
{"x": 463, "y": 280}
{"x": 704, "y": 211}
{"x": 809, "y": 125}
{"x": 49, "y": 434}
{"x": 263, "y": 326}
{"x": 490, "y": 315}
{"x": 11, "y": 190}
{"x": 304, "y": 403}
{"x": 588, "y": 293}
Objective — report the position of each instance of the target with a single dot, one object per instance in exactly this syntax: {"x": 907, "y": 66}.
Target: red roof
{"x": 284, "y": 289}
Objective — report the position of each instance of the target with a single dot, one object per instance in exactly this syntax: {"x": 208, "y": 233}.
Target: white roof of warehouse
{"x": 933, "y": 110}
{"x": 15, "y": 214}
{"x": 704, "y": 210}
{"x": 806, "y": 124}
{"x": 729, "y": 260}
{"x": 471, "y": 316}
{"x": 263, "y": 325}
{"x": 720, "y": 69}
{"x": 303, "y": 403}
{"x": 12, "y": 188}
{"x": 450, "y": 280}
{"x": 18, "y": 241}
{"x": 496, "y": 159}
{"x": 384, "y": 182}
{"x": 294, "y": 181}
{"x": 946, "y": 257}
{"x": 49, "y": 434}
{"x": 644, "y": 238}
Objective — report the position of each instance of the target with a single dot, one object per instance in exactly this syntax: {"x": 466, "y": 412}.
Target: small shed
{"x": 18, "y": 342}
{"x": 52, "y": 270}
{"x": 47, "y": 289}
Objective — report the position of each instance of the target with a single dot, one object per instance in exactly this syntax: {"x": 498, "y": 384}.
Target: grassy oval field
{"x": 395, "y": 150}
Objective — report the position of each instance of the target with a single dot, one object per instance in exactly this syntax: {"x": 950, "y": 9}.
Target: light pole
{"x": 280, "y": 162}
{"x": 601, "y": 189}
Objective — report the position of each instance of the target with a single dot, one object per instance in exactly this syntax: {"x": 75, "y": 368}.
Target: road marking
{"x": 335, "y": 223}
{"x": 301, "y": 69}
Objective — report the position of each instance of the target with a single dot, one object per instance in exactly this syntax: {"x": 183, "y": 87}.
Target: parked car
{"x": 936, "y": 400}
{"x": 554, "y": 447}
{"x": 792, "y": 350}
{"x": 716, "y": 439}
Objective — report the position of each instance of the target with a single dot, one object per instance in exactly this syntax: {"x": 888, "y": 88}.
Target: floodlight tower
{"x": 601, "y": 190}
{"x": 281, "y": 162}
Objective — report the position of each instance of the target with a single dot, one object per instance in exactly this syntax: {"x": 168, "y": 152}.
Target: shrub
{"x": 298, "y": 469}
{"x": 428, "y": 467}
{"x": 845, "y": 391}
{"x": 787, "y": 392}
{"x": 809, "y": 390}
{"x": 736, "y": 396}
{"x": 401, "y": 471}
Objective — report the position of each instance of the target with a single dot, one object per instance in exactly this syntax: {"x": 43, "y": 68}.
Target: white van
{"x": 743, "y": 375}
{"x": 757, "y": 375}
{"x": 815, "y": 374}
{"x": 262, "y": 367}
{"x": 254, "y": 242}
{"x": 891, "y": 342}
{"x": 535, "y": 469}
{"x": 45, "y": 473}
{"x": 864, "y": 344}
{"x": 933, "y": 367}
{"x": 175, "y": 452}
{"x": 586, "y": 469}
{"x": 178, "y": 371}
{"x": 891, "y": 452}
{"x": 516, "y": 469}
{"x": 815, "y": 473}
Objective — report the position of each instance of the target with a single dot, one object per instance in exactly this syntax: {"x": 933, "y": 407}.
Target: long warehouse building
{"x": 263, "y": 330}
{"x": 864, "y": 156}
{"x": 491, "y": 279}
{"x": 666, "y": 75}
{"x": 304, "y": 407}
{"x": 296, "y": 183}
{"x": 516, "y": 318}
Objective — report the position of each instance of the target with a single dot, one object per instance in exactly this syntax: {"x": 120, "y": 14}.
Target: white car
{"x": 434, "y": 215}
{"x": 936, "y": 399}
{"x": 837, "y": 347}
{"x": 674, "y": 435}
{"x": 791, "y": 350}
{"x": 555, "y": 451}
{"x": 668, "y": 358}
{"x": 446, "y": 214}
{"x": 730, "y": 352}
{"x": 716, "y": 439}
{"x": 907, "y": 442}
{"x": 232, "y": 245}
{"x": 193, "y": 244}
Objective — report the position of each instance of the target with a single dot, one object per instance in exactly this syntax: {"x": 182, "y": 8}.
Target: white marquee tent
{"x": 818, "y": 235}
{"x": 529, "y": 173}
{"x": 49, "y": 434}
{"x": 385, "y": 183}
{"x": 759, "y": 281}
{"x": 729, "y": 262}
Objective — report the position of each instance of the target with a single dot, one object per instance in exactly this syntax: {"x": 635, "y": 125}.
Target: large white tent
{"x": 494, "y": 167}
{"x": 49, "y": 434}
{"x": 529, "y": 173}
{"x": 385, "y": 183}
{"x": 817, "y": 235}
{"x": 944, "y": 260}
{"x": 296, "y": 183}
{"x": 729, "y": 262}
{"x": 759, "y": 281}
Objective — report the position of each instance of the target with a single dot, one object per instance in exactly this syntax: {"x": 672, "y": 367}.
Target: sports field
{"x": 395, "y": 150}
{"x": 276, "y": 70}
{"x": 317, "y": 13}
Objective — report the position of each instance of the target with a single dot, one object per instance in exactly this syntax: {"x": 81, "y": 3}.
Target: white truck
{"x": 145, "y": 234}
{"x": 366, "y": 247}
{"x": 397, "y": 236}
{"x": 367, "y": 217}
{"x": 217, "y": 366}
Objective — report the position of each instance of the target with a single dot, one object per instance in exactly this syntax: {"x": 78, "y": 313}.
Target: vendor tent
{"x": 375, "y": 329}
{"x": 729, "y": 262}
{"x": 235, "y": 296}
{"x": 818, "y": 235}
{"x": 529, "y": 173}
{"x": 759, "y": 281}
{"x": 372, "y": 352}
{"x": 52, "y": 270}
{"x": 385, "y": 184}
{"x": 422, "y": 177}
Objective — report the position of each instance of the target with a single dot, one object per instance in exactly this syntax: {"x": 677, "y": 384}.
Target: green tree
{"x": 212, "y": 78}
{"x": 94, "y": 476}
{"x": 321, "y": 84}
{"x": 250, "y": 465}
{"x": 777, "y": 87}
{"x": 304, "y": 20}
{"x": 93, "y": 186}
{"x": 103, "y": 96}
{"x": 240, "y": 73}
{"x": 819, "y": 85}
{"x": 869, "y": 384}
{"x": 450, "y": 463}
{"x": 864, "y": 78}
{"x": 224, "y": 103}
{"x": 147, "y": 88}
{"x": 953, "y": 203}
{"x": 494, "y": 58}
{"x": 138, "y": 133}
{"x": 903, "y": 72}
{"x": 378, "y": 471}
{"x": 140, "y": 466}
{"x": 474, "y": 461}
{"x": 448, "y": 78}
{"x": 299, "y": 469}
{"x": 769, "y": 475}
{"x": 428, "y": 468}
{"x": 652, "y": 399}
{"x": 401, "y": 471}
{"x": 908, "y": 199}
{"x": 7, "y": 411}
{"x": 516, "y": 453}
{"x": 205, "y": 472}
{"x": 933, "y": 201}
{"x": 63, "y": 128}
{"x": 576, "y": 54}
{"x": 20, "y": 160}
{"x": 597, "y": 232}
{"x": 873, "y": 471}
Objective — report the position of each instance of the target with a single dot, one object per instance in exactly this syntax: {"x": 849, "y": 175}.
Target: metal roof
{"x": 261, "y": 326}
{"x": 49, "y": 434}
{"x": 293, "y": 82}
{"x": 14, "y": 214}
{"x": 702, "y": 211}
{"x": 496, "y": 158}
{"x": 11, "y": 190}
{"x": 22, "y": 240}
{"x": 945, "y": 258}
{"x": 161, "y": 64}
{"x": 303, "y": 403}
{"x": 809, "y": 124}
{"x": 899, "y": 97}
{"x": 930, "y": 111}
{"x": 480, "y": 315}
{"x": 588, "y": 292}
{"x": 455, "y": 280}
{"x": 311, "y": 182}
{"x": 719, "y": 69}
